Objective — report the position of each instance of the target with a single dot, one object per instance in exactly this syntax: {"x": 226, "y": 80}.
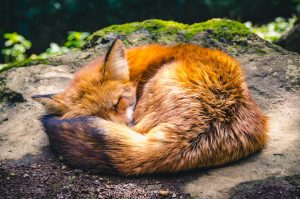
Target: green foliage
{"x": 15, "y": 47}
{"x": 273, "y": 30}
{"x": 76, "y": 39}
{"x": 54, "y": 49}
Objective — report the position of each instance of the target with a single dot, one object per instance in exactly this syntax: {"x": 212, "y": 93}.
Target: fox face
{"x": 102, "y": 88}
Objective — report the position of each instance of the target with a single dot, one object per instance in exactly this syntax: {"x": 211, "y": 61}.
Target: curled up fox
{"x": 154, "y": 109}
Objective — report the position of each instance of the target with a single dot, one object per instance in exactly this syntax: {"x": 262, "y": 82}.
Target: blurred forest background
{"x": 66, "y": 23}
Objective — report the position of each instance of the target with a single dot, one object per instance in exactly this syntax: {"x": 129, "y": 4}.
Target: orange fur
{"x": 193, "y": 110}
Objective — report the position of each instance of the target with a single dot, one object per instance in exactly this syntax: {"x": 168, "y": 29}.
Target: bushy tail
{"x": 92, "y": 143}
{"x": 78, "y": 142}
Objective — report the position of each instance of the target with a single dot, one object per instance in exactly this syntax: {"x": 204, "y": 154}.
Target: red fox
{"x": 192, "y": 109}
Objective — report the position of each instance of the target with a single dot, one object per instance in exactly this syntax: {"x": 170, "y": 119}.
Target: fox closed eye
{"x": 120, "y": 105}
{"x": 123, "y": 104}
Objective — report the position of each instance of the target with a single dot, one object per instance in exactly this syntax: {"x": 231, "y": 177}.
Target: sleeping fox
{"x": 154, "y": 109}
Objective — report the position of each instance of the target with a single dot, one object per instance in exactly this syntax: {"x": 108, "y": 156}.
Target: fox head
{"x": 102, "y": 88}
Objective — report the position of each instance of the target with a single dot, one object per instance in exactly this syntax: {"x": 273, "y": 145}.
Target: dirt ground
{"x": 273, "y": 187}
{"x": 46, "y": 177}
{"x": 28, "y": 169}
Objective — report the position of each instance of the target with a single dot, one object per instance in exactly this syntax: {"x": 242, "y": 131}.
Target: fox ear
{"x": 115, "y": 63}
{"x": 49, "y": 101}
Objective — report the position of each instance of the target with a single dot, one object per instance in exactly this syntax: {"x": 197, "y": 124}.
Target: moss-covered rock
{"x": 220, "y": 28}
{"x": 26, "y": 62}
{"x": 228, "y": 35}
{"x": 170, "y": 32}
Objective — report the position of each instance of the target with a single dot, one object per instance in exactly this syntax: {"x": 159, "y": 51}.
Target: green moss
{"x": 162, "y": 30}
{"x": 221, "y": 28}
{"x": 159, "y": 26}
{"x": 26, "y": 62}
{"x": 260, "y": 51}
{"x": 154, "y": 26}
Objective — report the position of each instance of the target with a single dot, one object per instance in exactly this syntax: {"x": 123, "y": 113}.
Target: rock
{"x": 8, "y": 97}
{"x": 164, "y": 192}
{"x": 97, "y": 182}
{"x": 154, "y": 187}
{"x": 34, "y": 166}
{"x": 3, "y": 117}
{"x": 272, "y": 74}
{"x": 26, "y": 175}
{"x": 291, "y": 40}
